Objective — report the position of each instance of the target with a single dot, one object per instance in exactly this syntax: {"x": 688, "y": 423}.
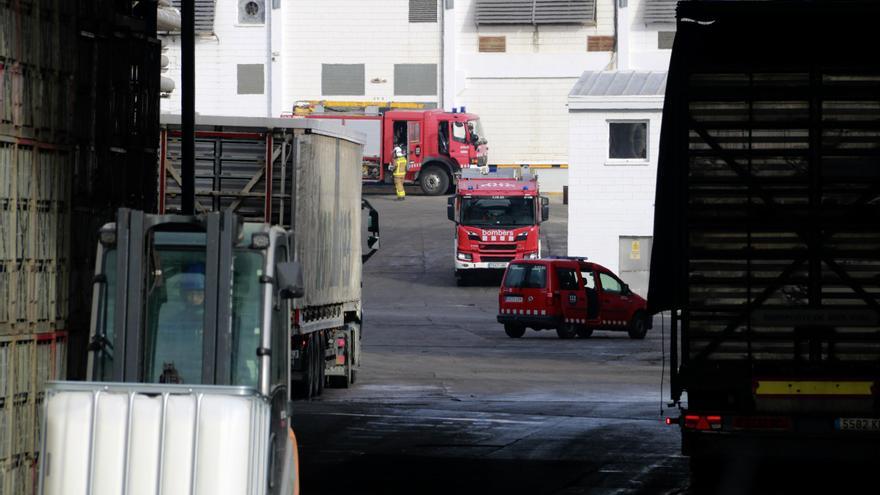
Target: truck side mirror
{"x": 372, "y": 228}
{"x": 290, "y": 279}
{"x": 545, "y": 208}
{"x": 450, "y": 209}
{"x": 373, "y": 222}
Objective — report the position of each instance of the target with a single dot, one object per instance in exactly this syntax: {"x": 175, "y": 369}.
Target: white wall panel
{"x": 525, "y": 120}
{"x": 608, "y": 201}
{"x": 377, "y": 34}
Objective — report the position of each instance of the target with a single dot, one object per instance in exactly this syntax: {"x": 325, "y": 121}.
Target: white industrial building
{"x": 513, "y": 62}
{"x": 614, "y": 128}
{"x": 614, "y": 119}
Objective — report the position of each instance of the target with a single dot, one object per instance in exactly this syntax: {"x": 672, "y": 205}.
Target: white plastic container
{"x": 113, "y": 439}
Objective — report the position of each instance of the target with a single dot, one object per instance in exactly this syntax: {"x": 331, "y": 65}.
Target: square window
{"x": 343, "y": 79}
{"x": 628, "y": 141}
{"x": 665, "y": 39}
{"x": 250, "y": 79}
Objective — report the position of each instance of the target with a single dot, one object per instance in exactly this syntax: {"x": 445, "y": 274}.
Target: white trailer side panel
{"x": 327, "y": 219}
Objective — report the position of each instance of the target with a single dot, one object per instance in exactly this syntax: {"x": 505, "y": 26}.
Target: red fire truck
{"x": 498, "y": 217}
{"x": 438, "y": 144}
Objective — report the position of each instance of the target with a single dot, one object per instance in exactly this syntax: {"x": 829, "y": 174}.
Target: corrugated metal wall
{"x": 78, "y": 136}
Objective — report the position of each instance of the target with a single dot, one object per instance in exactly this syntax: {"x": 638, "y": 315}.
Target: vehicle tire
{"x": 463, "y": 279}
{"x": 638, "y": 327}
{"x": 302, "y": 389}
{"x": 566, "y": 331}
{"x": 354, "y": 375}
{"x": 585, "y": 332}
{"x": 434, "y": 181}
{"x": 514, "y": 331}
{"x": 322, "y": 364}
{"x": 313, "y": 368}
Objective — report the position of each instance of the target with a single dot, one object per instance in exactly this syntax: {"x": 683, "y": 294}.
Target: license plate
{"x": 497, "y": 264}
{"x": 516, "y": 299}
{"x": 858, "y": 424}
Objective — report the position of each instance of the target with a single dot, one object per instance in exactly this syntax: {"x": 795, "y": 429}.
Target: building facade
{"x": 614, "y": 131}
{"x": 614, "y": 135}
{"x": 512, "y": 62}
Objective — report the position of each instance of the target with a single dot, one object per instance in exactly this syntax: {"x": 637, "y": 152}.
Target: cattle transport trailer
{"x": 767, "y": 230}
{"x": 204, "y": 326}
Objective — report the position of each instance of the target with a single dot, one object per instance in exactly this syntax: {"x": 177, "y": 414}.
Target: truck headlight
{"x": 465, "y": 257}
{"x": 522, "y": 236}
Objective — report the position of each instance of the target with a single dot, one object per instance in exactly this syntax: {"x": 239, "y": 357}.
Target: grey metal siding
{"x": 660, "y": 11}
{"x": 343, "y": 79}
{"x": 204, "y": 15}
{"x": 415, "y": 79}
{"x": 251, "y": 80}
{"x": 535, "y": 11}
{"x": 422, "y": 10}
{"x": 665, "y": 39}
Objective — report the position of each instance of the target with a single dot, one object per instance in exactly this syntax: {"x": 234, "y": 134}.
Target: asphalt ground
{"x": 445, "y": 402}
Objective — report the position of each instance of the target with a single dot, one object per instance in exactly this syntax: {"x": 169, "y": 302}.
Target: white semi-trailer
{"x": 205, "y": 326}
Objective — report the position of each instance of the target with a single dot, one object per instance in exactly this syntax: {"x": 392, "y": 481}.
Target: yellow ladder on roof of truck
{"x": 304, "y": 107}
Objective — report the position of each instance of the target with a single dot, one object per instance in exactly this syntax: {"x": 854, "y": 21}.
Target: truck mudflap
{"x": 103, "y": 438}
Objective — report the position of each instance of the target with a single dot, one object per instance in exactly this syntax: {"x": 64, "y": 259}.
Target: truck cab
{"x": 497, "y": 220}
{"x": 572, "y": 296}
{"x": 438, "y": 144}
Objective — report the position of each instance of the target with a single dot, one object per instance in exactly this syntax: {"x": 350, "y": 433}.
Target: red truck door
{"x": 414, "y": 148}
{"x": 458, "y": 146}
{"x": 573, "y": 301}
{"x": 592, "y": 294}
{"x": 613, "y": 304}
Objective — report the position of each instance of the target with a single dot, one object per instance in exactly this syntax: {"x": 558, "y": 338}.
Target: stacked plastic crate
{"x": 36, "y": 162}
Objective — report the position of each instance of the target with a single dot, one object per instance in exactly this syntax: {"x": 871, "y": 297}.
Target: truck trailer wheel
{"x": 638, "y": 327}
{"x": 585, "y": 332}
{"x": 514, "y": 331}
{"x": 434, "y": 181}
{"x": 321, "y": 363}
{"x": 566, "y": 331}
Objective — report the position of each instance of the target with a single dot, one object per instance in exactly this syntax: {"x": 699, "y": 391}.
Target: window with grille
{"x": 422, "y": 10}
{"x": 535, "y": 11}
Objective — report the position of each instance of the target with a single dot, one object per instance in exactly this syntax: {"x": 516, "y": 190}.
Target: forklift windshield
{"x": 498, "y": 212}
{"x": 175, "y": 311}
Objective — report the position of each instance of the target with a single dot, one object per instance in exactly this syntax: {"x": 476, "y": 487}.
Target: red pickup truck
{"x": 570, "y": 295}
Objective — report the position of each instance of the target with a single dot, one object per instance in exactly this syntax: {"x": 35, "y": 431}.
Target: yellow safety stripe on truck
{"x": 814, "y": 388}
